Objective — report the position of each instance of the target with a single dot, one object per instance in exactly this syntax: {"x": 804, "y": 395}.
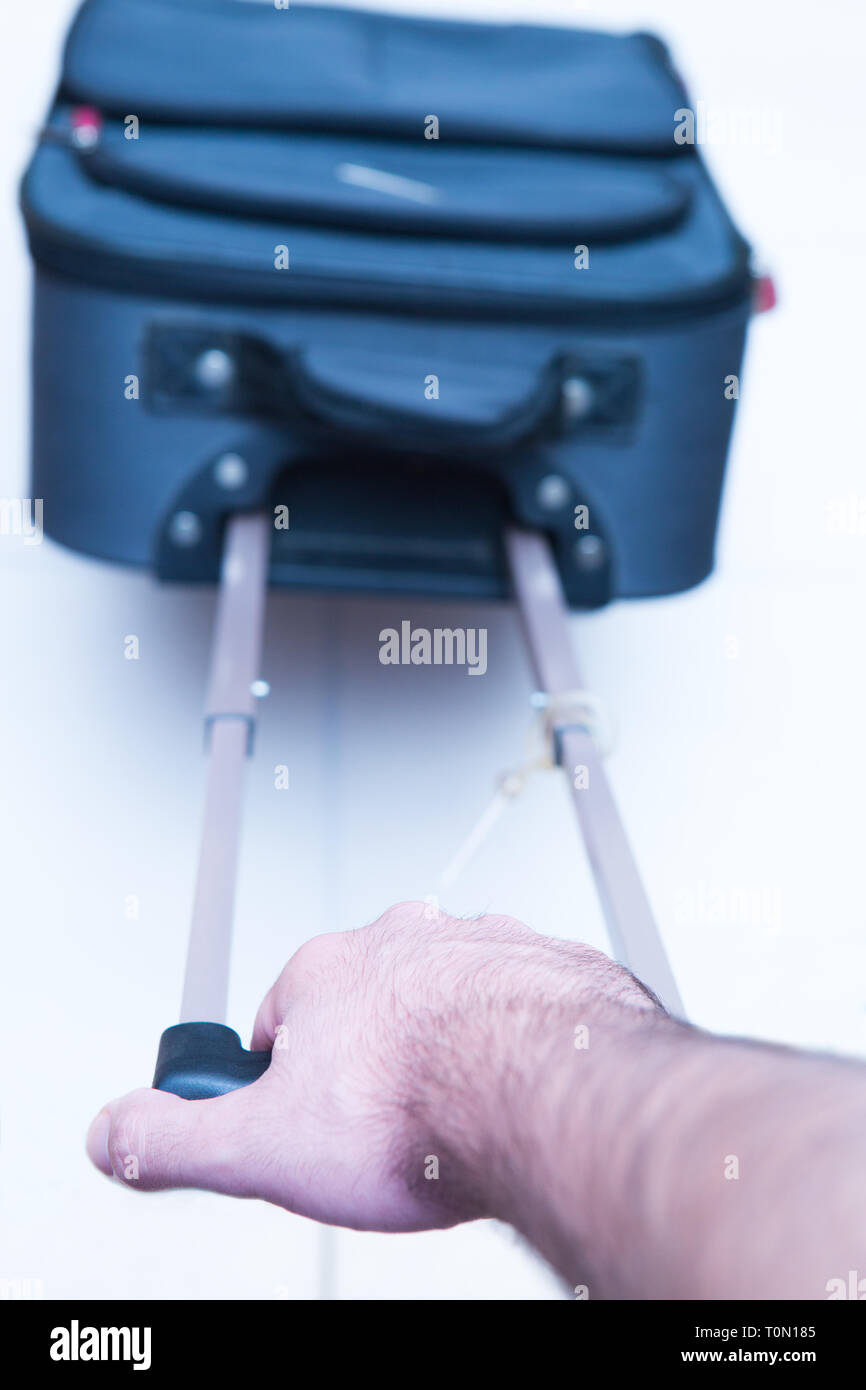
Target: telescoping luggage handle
{"x": 201, "y": 1057}
{"x": 633, "y": 931}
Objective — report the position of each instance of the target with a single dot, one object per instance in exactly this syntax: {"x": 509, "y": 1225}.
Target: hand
{"x": 399, "y": 1051}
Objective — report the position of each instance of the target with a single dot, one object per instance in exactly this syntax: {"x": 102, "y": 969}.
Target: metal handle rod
{"x": 229, "y": 724}
{"x": 631, "y": 926}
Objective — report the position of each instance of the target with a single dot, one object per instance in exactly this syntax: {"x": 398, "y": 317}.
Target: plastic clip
{"x": 578, "y": 710}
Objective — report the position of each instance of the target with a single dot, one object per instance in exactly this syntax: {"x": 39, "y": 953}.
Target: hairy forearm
{"x": 646, "y": 1159}
{"x": 428, "y": 1070}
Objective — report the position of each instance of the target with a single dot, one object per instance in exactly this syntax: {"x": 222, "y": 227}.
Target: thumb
{"x": 152, "y": 1140}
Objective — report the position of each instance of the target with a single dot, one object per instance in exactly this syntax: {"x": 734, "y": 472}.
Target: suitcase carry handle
{"x": 403, "y": 399}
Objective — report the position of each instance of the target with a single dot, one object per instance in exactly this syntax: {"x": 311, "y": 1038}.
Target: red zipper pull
{"x": 764, "y": 294}
{"x": 86, "y": 124}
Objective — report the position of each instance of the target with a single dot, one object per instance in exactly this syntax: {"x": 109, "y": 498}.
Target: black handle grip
{"x": 496, "y": 408}
{"x": 198, "y": 1061}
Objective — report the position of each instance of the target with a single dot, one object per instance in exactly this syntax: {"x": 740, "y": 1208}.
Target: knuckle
{"x": 317, "y": 957}
{"x": 497, "y": 928}
{"x": 127, "y": 1145}
{"x": 144, "y": 1139}
{"x": 399, "y": 915}
{"x": 399, "y": 924}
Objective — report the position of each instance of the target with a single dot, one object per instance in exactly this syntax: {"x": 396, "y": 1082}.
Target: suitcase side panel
{"x": 110, "y": 470}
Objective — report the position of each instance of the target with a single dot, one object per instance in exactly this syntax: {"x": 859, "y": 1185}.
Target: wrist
{"x": 517, "y": 1072}
{"x": 568, "y": 1144}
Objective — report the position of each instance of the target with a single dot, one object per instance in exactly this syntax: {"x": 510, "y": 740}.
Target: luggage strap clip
{"x": 580, "y": 711}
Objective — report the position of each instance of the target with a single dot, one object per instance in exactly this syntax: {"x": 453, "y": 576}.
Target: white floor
{"x": 740, "y": 760}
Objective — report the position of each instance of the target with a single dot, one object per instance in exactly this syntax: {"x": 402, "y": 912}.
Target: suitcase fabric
{"x": 409, "y": 279}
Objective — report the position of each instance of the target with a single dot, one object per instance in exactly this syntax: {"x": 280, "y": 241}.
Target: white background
{"x": 739, "y": 765}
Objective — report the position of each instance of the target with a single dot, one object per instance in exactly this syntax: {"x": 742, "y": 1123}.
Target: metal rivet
{"x": 84, "y": 136}
{"x": 590, "y": 552}
{"x": 185, "y": 529}
{"x": 553, "y": 493}
{"x": 231, "y": 471}
{"x": 578, "y": 398}
{"x": 214, "y": 369}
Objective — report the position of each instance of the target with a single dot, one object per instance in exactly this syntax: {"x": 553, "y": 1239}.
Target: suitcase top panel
{"x": 228, "y": 62}
{"x": 387, "y": 162}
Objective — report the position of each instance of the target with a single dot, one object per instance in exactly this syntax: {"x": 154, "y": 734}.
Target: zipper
{"x": 102, "y": 165}
{"x": 83, "y": 259}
